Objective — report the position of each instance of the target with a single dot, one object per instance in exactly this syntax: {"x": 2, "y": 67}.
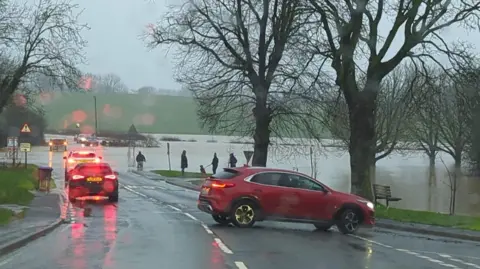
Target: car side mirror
{"x": 115, "y": 172}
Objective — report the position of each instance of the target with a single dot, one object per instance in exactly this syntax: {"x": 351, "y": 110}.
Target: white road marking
{"x": 136, "y": 192}
{"x": 222, "y": 246}
{"x": 190, "y": 216}
{"x": 406, "y": 251}
{"x": 450, "y": 258}
{"x": 174, "y": 208}
{"x": 241, "y": 265}
{"x": 207, "y": 229}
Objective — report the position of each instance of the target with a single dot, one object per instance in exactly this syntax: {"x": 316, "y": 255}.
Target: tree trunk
{"x": 432, "y": 177}
{"x": 456, "y": 177}
{"x": 262, "y": 135}
{"x": 362, "y": 143}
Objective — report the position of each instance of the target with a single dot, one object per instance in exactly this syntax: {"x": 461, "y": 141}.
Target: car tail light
{"x": 77, "y": 177}
{"x": 71, "y": 161}
{"x": 216, "y": 184}
{"x": 111, "y": 176}
{"x": 97, "y": 160}
{"x": 65, "y": 143}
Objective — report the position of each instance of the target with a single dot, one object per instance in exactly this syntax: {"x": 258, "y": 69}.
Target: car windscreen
{"x": 225, "y": 174}
{"x": 83, "y": 155}
{"x": 95, "y": 169}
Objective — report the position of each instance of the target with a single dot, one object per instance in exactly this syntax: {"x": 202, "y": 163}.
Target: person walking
{"x": 184, "y": 162}
{"x": 214, "y": 163}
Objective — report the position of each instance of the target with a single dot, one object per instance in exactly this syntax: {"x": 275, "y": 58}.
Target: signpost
{"x": 12, "y": 146}
{"x": 248, "y": 155}
{"x": 25, "y": 147}
{"x": 168, "y": 154}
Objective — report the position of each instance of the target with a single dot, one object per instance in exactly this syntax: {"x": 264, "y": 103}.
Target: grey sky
{"x": 115, "y": 44}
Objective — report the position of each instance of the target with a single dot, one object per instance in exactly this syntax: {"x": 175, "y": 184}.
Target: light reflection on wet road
{"x": 157, "y": 225}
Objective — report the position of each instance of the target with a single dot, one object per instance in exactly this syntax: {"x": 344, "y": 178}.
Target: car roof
{"x": 256, "y": 169}
{"x": 83, "y": 151}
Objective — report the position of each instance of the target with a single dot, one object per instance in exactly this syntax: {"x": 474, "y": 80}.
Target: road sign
{"x": 248, "y": 155}
{"x": 25, "y": 129}
{"x": 25, "y": 147}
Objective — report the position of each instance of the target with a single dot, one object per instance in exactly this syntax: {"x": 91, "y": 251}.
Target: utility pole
{"x": 96, "y": 120}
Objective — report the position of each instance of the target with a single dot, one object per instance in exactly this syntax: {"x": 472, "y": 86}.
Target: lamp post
{"x": 95, "y": 104}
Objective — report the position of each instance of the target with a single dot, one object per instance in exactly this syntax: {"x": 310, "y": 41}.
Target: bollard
{"x": 44, "y": 174}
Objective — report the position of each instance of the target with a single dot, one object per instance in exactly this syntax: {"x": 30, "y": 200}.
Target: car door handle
{"x": 257, "y": 190}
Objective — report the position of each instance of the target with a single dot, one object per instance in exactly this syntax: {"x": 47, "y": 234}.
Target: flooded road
{"x": 407, "y": 173}
{"x": 157, "y": 225}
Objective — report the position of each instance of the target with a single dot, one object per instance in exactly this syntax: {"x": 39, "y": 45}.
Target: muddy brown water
{"x": 407, "y": 172}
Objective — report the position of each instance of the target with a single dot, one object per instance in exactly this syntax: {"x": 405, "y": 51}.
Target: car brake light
{"x": 97, "y": 160}
{"x": 111, "y": 176}
{"x": 76, "y": 177}
{"x": 71, "y": 161}
{"x": 221, "y": 185}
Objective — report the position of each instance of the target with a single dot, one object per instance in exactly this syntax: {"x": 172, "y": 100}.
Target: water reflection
{"x": 78, "y": 238}
{"x": 110, "y": 232}
{"x": 216, "y": 257}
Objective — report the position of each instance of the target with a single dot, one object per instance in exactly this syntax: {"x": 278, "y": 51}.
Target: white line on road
{"x": 222, "y": 246}
{"x": 241, "y": 265}
{"x": 174, "y": 208}
{"x": 413, "y": 253}
{"x": 136, "y": 192}
{"x": 206, "y": 228}
{"x": 450, "y": 258}
{"x": 190, "y": 216}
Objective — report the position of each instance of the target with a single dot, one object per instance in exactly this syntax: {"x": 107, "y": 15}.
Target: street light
{"x": 95, "y": 104}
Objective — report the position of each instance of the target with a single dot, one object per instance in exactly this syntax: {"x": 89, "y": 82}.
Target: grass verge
{"x": 429, "y": 218}
{"x": 174, "y": 173}
{"x": 15, "y": 186}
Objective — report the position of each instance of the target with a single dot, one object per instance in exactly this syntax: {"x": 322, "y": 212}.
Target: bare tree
{"x": 109, "y": 83}
{"x": 397, "y": 101}
{"x": 240, "y": 61}
{"x": 351, "y": 35}
{"x": 451, "y": 117}
{"x": 43, "y": 38}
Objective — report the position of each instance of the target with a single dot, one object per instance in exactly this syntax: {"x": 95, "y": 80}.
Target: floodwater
{"x": 406, "y": 172}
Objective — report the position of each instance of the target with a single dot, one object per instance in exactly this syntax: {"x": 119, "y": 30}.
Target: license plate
{"x": 205, "y": 191}
{"x": 94, "y": 179}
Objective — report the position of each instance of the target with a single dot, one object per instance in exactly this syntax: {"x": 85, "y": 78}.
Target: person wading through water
{"x": 184, "y": 162}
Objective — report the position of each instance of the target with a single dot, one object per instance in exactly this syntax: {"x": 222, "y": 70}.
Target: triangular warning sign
{"x": 248, "y": 155}
{"x": 25, "y": 129}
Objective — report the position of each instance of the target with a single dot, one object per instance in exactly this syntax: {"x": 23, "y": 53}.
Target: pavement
{"x": 157, "y": 225}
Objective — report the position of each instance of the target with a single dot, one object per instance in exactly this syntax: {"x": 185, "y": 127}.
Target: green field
{"x": 116, "y": 112}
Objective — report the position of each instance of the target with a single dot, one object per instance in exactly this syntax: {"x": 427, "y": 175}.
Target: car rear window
{"x": 95, "y": 169}
{"x": 83, "y": 155}
{"x": 226, "y": 174}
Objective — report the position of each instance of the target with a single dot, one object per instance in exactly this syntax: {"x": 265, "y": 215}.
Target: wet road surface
{"x": 155, "y": 225}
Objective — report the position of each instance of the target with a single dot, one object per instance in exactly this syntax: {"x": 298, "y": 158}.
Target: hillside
{"x": 163, "y": 114}
{"x": 116, "y": 112}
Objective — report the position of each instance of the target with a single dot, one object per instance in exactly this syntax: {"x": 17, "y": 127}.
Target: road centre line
{"x": 413, "y": 253}
{"x": 241, "y": 265}
{"x": 222, "y": 246}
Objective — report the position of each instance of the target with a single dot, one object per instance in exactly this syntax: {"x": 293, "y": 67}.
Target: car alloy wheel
{"x": 349, "y": 222}
{"x": 221, "y": 219}
{"x": 244, "y": 215}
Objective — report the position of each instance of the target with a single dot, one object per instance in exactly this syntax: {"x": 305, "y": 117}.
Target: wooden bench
{"x": 383, "y": 192}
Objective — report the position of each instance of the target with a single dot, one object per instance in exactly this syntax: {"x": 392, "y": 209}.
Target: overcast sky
{"x": 115, "y": 44}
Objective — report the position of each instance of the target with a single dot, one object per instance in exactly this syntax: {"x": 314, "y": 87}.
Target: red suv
{"x": 244, "y": 195}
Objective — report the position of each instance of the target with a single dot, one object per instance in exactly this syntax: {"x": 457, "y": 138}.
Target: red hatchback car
{"x": 245, "y": 195}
